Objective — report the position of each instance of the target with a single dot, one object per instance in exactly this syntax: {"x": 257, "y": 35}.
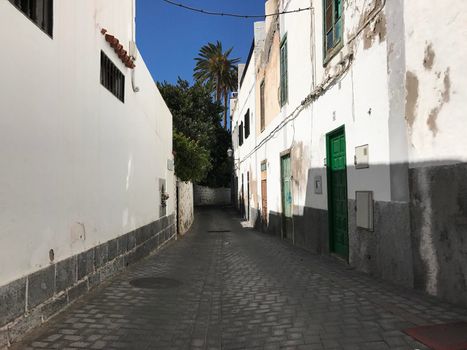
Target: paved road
{"x": 241, "y": 290}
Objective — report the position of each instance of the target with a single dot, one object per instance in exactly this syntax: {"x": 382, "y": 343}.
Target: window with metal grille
{"x": 247, "y": 124}
{"x": 332, "y": 17}
{"x": 262, "y": 106}
{"x": 111, "y": 78}
{"x": 240, "y": 134}
{"x": 284, "y": 87}
{"x": 38, "y": 11}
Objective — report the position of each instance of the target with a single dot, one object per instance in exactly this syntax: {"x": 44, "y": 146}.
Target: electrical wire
{"x": 235, "y": 15}
{"x": 313, "y": 96}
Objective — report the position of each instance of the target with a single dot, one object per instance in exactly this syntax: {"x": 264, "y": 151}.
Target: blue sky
{"x": 169, "y": 37}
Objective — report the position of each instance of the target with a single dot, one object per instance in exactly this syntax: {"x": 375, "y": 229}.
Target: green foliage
{"x": 217, "y": 71}
{"x": 220, "y": 174}
{"x": 197, "y": 129}
{"x": 194, "y": 113}
{"x": 192, "y": 162}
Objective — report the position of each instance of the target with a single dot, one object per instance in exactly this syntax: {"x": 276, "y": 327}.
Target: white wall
{"x": 436, "y": 61}
{"x": 204, "y": 195}
{"x": 246, "y": 101}
{"x": 347, "y": 103}
{"x": 185, "y": 206}
{"x": 80, "y": 167}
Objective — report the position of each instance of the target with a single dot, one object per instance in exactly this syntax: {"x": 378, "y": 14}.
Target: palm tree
{"x": 215, "y": 69}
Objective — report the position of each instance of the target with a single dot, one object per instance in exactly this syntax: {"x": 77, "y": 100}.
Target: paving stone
{"x": 239, "y": 290}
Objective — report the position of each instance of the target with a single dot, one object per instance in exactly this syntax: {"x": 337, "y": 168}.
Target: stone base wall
{"x": 212, "y": 196}
{"x": 30, "y": 301}
{"x": 310, "y": 230}
{"x": 419, "y": 244}
{"x": 385, "y": 252}
{"x": 438, "y": 208}
{"x": 185, "y": 206}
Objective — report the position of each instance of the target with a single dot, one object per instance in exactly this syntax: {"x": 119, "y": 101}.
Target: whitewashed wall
{"x": 83, "y": 168}
{"x": 436, "y": 72}
{"x": 347, "y": 103}
{"x": 185, "y": 206}
{"x": 204, "y": 195}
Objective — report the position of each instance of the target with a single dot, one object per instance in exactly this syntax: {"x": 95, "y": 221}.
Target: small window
{"x": 262, "y": 106}
{"x": 332, "y": 26}
{"x": 240, "y": 134}
{"x": 284, "y": 86}
{"x": 247, "y": 124}
{"x": 111, "y": 78}
{"x": 38, "y": 11}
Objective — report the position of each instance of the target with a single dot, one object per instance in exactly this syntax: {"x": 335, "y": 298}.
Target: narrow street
{"x": 227, "y": 287}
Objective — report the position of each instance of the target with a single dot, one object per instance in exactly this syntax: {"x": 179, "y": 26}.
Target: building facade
{"x": 356, "y": 148}
{"x": 87, "y": 185}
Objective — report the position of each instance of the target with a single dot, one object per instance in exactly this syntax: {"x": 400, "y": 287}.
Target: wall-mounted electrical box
{"x": 318, "y": 184}
{"x": 362, "y": 157}
{"x": 364, "y": 209}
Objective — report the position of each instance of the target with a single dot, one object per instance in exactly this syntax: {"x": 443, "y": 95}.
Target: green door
{"x": 286, "y": 185}
{"x": 337, "y": 192}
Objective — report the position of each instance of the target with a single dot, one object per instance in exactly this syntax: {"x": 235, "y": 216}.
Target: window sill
{"x": 331, "y": 54}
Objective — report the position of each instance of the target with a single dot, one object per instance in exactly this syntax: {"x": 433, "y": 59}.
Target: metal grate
{"x": 38, "y": 11}
{"x": 112, "y": 78}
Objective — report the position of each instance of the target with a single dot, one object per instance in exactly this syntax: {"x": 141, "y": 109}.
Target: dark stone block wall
{"x": 418, "y": 244}
{"x": 30, "y": 301}
{"x": 310, "y": 229}
{"x": 385, "y": 252}
{"x": 438, "y": 207}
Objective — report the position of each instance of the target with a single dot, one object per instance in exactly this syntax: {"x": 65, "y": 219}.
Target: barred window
{"x": 247, "y": 124}
{"x": 240, "y": 135}
{"x": 111, "y": 78}
{"x": 38, "y": 11}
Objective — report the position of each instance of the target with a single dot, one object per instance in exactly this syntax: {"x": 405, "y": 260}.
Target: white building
{"x": 357, "y": 148}
{"x": 86, "y": 148}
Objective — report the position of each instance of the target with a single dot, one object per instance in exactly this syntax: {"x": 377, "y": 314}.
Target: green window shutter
{"x": 283, "y": 73}
{"x": 286, "y": 73}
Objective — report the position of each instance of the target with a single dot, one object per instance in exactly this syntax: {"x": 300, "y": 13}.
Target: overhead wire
{"x": 235, "y": 15}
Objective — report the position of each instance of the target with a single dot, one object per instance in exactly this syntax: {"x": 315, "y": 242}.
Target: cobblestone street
{"x": 240, "y": 289}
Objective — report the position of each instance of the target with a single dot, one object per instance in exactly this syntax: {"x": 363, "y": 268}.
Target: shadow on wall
{"x": 211, "y": 196}
{"x": 420, "y": 242}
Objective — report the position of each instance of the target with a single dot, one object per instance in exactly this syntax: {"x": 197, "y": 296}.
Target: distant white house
{"x": 348, "y": 133}
{"x": 85, "y": 148}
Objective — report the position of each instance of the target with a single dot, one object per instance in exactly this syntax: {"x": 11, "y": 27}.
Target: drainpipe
{"x": 133, "y": 40}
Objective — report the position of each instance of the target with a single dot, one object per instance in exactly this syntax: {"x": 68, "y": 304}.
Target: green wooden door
{"x": 337, "y": 192}
{"x": 286, "y": 185}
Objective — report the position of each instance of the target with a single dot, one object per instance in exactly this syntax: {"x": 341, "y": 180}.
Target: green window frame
{"x": 284, "y": 83}
{"x": 262, "y": 106}
{"x": 332, "y": 27}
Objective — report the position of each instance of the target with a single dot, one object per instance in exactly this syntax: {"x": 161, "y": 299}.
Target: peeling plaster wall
{"x": 436, "y": 88}
{"x": 83, "y": 168}
{"x": 403, "y": 96}
{"x": 436, "y": 95}
{"x": 185, "y": 206}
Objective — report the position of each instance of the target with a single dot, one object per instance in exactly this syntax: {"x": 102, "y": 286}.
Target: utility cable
{"x": 235, "y": 15}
